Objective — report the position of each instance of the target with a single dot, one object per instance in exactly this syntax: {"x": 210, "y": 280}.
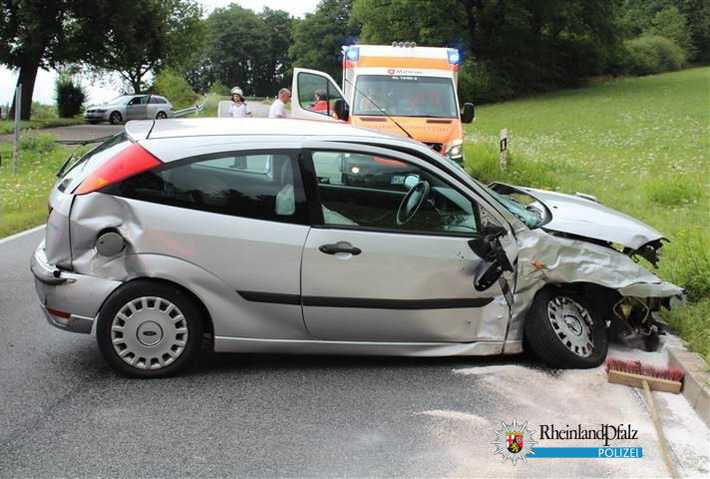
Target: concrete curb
{"x": 696, "y": 385}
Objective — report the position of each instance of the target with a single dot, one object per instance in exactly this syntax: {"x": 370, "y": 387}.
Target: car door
{"x": 367, "y": 277}
{"x": 314, "y": 95}
{"x": 151, "y": 106}
{"x": 137, "y": 108}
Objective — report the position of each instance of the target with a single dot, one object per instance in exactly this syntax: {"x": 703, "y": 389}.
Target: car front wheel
{"x": 564, "y": 330}
{"x": 115, "y": 118}
{"x": 149, "y": 329}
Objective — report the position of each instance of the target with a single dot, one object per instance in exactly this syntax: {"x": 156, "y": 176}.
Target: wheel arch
{"x": 208, "y": 323}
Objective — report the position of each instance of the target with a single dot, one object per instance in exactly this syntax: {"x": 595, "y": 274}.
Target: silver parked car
{"x": 130, "y": 107}
{"x": 244, "y": 232}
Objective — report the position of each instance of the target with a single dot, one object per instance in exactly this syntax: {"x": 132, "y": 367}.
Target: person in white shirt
{"x": 238, "y": 107}
{"x": 278, "y": 107}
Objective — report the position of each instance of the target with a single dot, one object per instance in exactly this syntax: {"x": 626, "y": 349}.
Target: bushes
{"x": 649, "y": 54}
{"x": 479, "y": 83}
{"x": 219, "y": 89}
{"x": 70, "y": 97}
{"x": 175, "y": 88}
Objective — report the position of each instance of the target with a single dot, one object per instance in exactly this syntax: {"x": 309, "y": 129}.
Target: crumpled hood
{"x": 583, "y": 217}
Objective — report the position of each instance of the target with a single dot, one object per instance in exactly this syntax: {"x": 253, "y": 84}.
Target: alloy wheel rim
{"x": 572, "y": 324}
{"x": 149, "y": 332}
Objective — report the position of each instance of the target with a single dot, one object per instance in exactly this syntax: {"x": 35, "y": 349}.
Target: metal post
{"x": 16, "y": 145}
{"x": 503, "y": 146}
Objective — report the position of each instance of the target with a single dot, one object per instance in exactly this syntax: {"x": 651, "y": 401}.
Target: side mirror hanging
{"x": 341, "y": 109}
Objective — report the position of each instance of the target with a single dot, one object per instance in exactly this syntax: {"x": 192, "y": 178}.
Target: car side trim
{"x": 436, "y": 303}
{"x": 367, "y": 303}
{"x": 261, "y": 297}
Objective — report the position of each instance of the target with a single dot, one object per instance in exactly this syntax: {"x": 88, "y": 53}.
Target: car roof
{"x": 194, "y": 127}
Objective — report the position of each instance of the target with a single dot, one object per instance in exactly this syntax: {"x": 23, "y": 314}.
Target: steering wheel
{"x": 411, "y": 202}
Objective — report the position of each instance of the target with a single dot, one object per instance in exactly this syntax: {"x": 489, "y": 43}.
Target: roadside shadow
{"x": 225, "y": 363}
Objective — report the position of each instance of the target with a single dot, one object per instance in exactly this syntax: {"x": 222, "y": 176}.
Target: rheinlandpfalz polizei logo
{"x": 514, "y": 441}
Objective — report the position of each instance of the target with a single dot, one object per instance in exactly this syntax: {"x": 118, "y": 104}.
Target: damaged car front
{"x": 578, "y": 254}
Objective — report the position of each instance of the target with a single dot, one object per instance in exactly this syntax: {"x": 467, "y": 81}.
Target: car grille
{"x": 435, "y": 146}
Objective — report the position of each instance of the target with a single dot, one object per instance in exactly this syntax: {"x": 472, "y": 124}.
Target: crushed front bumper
{"x": 69, "y": 301}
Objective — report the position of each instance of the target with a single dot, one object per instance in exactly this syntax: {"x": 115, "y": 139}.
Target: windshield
{"x": 531, "y": 217}
{"x": 119, "y": 100}
{"x": 405, "y": 96}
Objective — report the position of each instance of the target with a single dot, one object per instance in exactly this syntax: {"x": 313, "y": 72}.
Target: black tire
{"x": 120, "y": 299}
{"x": 161, "y": 115}
{"x": 547, "y": 339}
{"x": 115, "y": 118}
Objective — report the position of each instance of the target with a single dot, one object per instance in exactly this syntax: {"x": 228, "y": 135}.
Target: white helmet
{"x": 237, "y": 91}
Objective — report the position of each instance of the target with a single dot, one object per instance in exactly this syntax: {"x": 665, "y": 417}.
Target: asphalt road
{"x": 64, "y": 413}
{"x": 76, "y": 132}
{"x": 91, "y": 132}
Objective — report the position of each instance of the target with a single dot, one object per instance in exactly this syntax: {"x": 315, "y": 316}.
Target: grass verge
{"x": 23, "y": 196}
{"x": 7, "y": 127}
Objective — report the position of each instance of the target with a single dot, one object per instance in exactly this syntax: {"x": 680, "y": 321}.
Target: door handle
{"x": 340, "y": 247}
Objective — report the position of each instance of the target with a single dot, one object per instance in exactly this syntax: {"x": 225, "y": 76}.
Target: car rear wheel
{"x": 149, "y": 329}
{"x": 564, "y": 330}
{"x": 115, "y": 118}
{"x": 161, "y": 115}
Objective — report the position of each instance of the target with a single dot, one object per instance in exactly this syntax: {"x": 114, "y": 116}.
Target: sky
{"x": 44, "y": 85}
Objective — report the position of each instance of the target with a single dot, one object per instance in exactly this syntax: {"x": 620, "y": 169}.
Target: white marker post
{"x": 16, "y": 145}
{"x": 503, "y": 144}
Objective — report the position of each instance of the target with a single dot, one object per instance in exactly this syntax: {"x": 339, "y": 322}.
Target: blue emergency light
{"x": 352, "y": 54}
{"x": 454, "y": 56}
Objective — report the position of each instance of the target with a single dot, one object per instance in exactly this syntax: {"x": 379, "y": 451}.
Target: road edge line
{"x": 20, "y": 234}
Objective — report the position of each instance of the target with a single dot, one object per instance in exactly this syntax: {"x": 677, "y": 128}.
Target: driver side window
{"x": 373, "y": 192}
{"x": 316, "y": 94}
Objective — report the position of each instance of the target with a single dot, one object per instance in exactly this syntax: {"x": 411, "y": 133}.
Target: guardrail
{"x": 193, "y": 110}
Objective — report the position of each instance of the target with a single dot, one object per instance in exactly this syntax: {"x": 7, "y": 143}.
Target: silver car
{"x": 130, "y": 107}
{"x": 243, "y": 232}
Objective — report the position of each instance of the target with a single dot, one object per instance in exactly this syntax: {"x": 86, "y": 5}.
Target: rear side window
{"x": 261, "y": 185}
{"x": 157, "y": 100}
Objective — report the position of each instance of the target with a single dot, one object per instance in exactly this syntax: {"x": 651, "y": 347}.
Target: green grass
{"x": 23, "y": 197}
{"x": 640, "y": 145}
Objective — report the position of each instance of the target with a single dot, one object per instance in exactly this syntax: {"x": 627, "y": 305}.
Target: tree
{"x": 526, "y": 45}
{"x": 672, "y": 24}
{"x": 246, "y": 49}
{"x": 135, "y": 44}
{"x": 425, "y": 22}
{"x": 32, "y": 36}
{"x": 274, "y": 68}
{"x": 318, "y": 38}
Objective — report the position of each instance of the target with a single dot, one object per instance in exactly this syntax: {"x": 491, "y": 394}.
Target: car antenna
{"x": 380, "y": 109}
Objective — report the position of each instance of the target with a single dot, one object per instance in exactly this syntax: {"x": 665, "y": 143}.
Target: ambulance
{"x": 400, "y": 89}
